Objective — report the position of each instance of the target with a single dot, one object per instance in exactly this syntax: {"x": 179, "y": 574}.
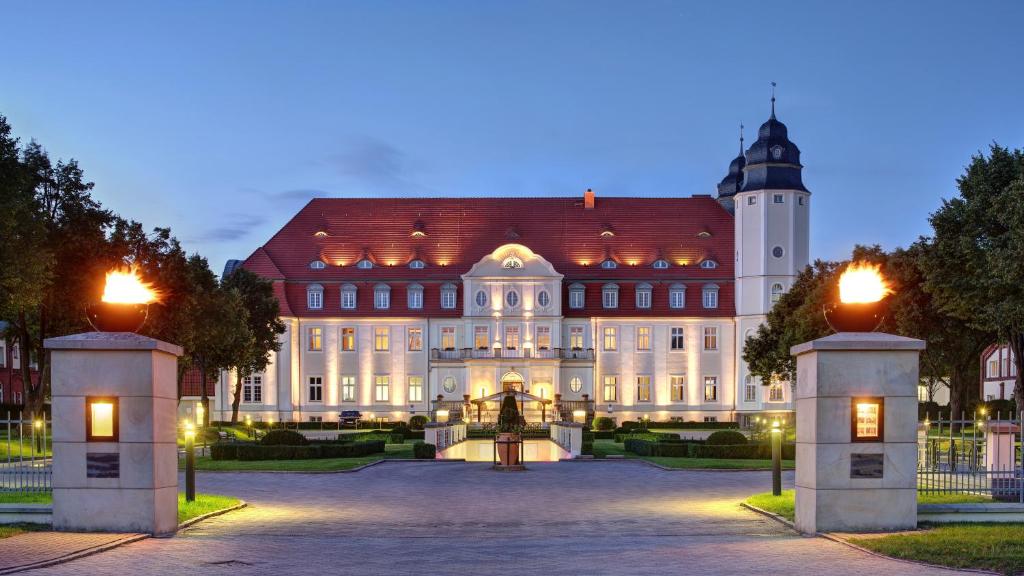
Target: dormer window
{"x": 660, "y": 264}
{"x": 348, "y": 297}
{"x": 703, "y": 234}
{"x": 610, "y": 296}
{"x": 381, "y": 296}
{"x": 607, "y": 232}
{"x": 315, "y": 297}
{"x": 417, "y": 264}
{"x": 677, "y": 296}
{"x": 576, "y": 296}
{"x": 709, "y": 264}
{"x": 710, "y": 296}
{"x": 320, "y": 234}
{"x": 609, "y": 264}
{"x": 643, "y": 295}
{"x": 419, "y": 230}
{"x": 448, "y": 296}
{"x": 364, "y": 264}
{"x": 317, "y": 265}
{"x": 414, "y": 296}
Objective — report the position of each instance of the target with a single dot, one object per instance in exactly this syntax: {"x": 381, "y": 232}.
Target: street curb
{"x": 241, "y": 504}
{"x": 780, "y": 519}
{"x": 348, "y": 471}
{"x": 840, "y": 540}
{"x": 667, "y": 469}
{"x": 77, "y": 555}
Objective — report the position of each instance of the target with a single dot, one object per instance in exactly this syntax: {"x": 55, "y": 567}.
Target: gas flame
{"x": 862, "y": 282}
{"x": 126, "y": 287}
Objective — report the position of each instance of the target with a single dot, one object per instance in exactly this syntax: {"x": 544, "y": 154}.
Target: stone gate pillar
{"x": 856, "y": 443}
{"x": 115, "y": 465}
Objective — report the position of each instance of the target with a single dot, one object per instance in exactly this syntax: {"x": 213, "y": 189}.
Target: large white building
{"x": 631, "y": 307}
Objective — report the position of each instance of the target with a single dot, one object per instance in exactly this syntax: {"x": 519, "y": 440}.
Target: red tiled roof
{"x": 190, "y": 383}
{"x": 461, "y": 231}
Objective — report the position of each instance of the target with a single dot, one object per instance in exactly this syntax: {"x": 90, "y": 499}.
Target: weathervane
{"x": 773, "y": 99}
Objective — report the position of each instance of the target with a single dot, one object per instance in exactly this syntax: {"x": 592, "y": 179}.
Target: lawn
{"x": 784, "y": 505}
{"x": 8, "y": 530}
{"x": 203, "y": 504}
{"x": 997, "y": 547}
{"x": 26, "y": 497}
{"x": 605, "y": 448}
{"x": 23, "y": 447}
{"x": 391, "y": 451}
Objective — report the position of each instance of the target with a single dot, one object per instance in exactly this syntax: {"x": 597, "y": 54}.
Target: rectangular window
{"x": 543, "y": 337}
{"x": 677, "y": 298}
{"x": 348, "y": 388}
{"x": 751, "y": 200}
{"x": 252, "y": 390}
{"x": 348, "y": 339}
{"x": 678, "y": 384}
{"x": 448, "y": 337}
{"x": 711, "y": 299}
{"x": 381, "y": 299}
{"x": 348, "y": 299}
{"x": 775, "y": 393}
{"x": 710, "y": 338}
{"x": 315, "y": 339}
{"x": 381, "y": 338}
{"x": 415, "y": 388}
{"x": 415, "y": 299}
{"x": 415, "y": 339}
{"x": 800, "y": 200}
{"x": 316, "y": 418}
{"x": 382, "y": 388}
{"x": 576, "y": 299}
{"x": 710, "y": 388}
{"x": 611, "y": 386}
{"x": 643, "y": 388}
{"x": 448, "y": 299}
{"x": 481, "y": 337}
{"x": 316, "y": 389}
{"x": 314, "y": 299}
{"x": 610, "y": 339}
{"x": 576, "y": 337}
{"x": 678, "y": 338}
{"x": 868, "y": 419}
{"x": 3, "y": 354}
{"x": 610, "y": 298}
{"x": 643, "y": 338}
{"x": 711, "y": 418}
{"x": 750, "y": 391}
{"x": 778, "y": 198}
{"x": 643, "y": 299}
{"x": 512, "y": 337}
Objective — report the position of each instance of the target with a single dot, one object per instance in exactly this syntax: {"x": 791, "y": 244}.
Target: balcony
{"x": 462, "y": 354}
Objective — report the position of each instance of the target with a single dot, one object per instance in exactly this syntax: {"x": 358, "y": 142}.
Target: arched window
{"x": 576, "y": 384}
{"x": 576, "y": 296}
{"x": 314, "y": 297}
{"x": 708, "y": 264}
{"x": 643, "y": 295}
{"x": 382, "y": 296}
{"x": 710, "y": 293}
{"x": 609, "y": 264}
{"x": 317, "y": 265}
{"x": 512, "y": 298}
{"x": 414, "y": 295}
{"x": 543, "y": 299}
{"x": 776, "y": 292}
{"x": 364, "y": 264}
{"x": 448, "y": 292}
{"x": 610, "y": 295}
{"x": 417, "y": 264}
{"x": 348, "y": 297}
{"x": 660, "y": 264}
{"x": 677, "y": 296}
{"x": 481, "y": 298}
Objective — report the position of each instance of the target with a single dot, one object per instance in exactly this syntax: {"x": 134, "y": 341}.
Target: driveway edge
{"x": 76, "y": 555}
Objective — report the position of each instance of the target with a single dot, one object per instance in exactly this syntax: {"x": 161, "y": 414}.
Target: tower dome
{"x": 773, "y": 161}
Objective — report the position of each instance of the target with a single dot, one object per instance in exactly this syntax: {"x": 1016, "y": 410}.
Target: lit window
{"x": 610, "y": 296}
{"x": 417, "y": 264}
{"x": 381, "y": 338}
{"x": 868, "y": 419}
{"x": 512, "y": 298}
{"x": 364, "y": 264}
{"x": 415, "y": 339}
{"x": 677, "y": 339}
{"x": 575, "y": 384}
{"x": 317, "y": 265}
{"x": 710, "y": 388}
{"x": 778, "y": 199}
{"x": 660, "y": 264}
{"x": 609, "y": 264}
{"x": 711, "y": 338}
{"x": 775, "y": 393}
{"x": 512, "y": 337}
{"x": 382, "y": 296}
{"x": 481, "y": 337}
{"x": 677, "y": 296}
{"x": 576, "y": 293}
{"x": 449, "y": 384}
{"x": 643, "y": 296}
{"x": 448, "y": 292}
{"x": 415, "y": 388}
{"x": 314, "y": 297}
{"x": 315, "y": 339}
{"x": 610, "y": 333}
{"x": 643, "y": 388}
{"x": 481, "y": 298}
{"x": 382, "y": 388}
{"x": 643, "y": 338}
{"x": 576, "y": 337}
{"x": 749, "y": 389}
{"x": 708, "y": 264}
{"x": 101, "y": 419}
{"x": 448, "y": 337}
{"x": 348, "y": 339}
{"x": 348, "y": 388}
{"x": 678, "y": 385}
{"x": 415, "y": 296}
{"x": 543, "y": 299}
{"x": 776, "y": 292}
{"x": 316, "y": 389}
{"x": 611, "y": 386}
{"x": 543, "y": 337}
{"x": 348, "y": 297}
{"x": 710, "y": 296}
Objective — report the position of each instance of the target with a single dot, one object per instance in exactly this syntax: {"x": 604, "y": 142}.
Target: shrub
{"x": 694, "y": 425}
{"x": 726, "y": 438}
{"x": 639, "y": 446}
{"x": 414, "y": 435}
{"x": 674, "y": 450}
{"x": 587, "y": 448}
{"x": 424, "y": 451}
{"x": 283, "y": 438}
{"x": 741, "y": 451}
{"x": 650, "y": 436}
{"x": 509, "y": 420}
{"x": 603, "y": 423}
{"x": 604, "y": 435}
{"x": 224, "y": 451}
{"x": 418, "y": 422}
{"x": 400, "y": 430}
{"x": 277, "y": 452}
{"x": 628, "y": 426}
{"x": 351, "y": 450}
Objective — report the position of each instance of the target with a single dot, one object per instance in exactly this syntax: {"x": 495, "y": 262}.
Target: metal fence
{"x": 26, "y": 460}
{"x": 980, "y": 456}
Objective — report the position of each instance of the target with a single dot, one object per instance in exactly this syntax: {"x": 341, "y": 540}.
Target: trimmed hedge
{"x": 283, "y": 438}
{"x": 418, "y": 421}
{"x": 381, "y": 435}
{"x": 643, "y": 447}
{"x": 726, "y": 438}
{"x": 603, "y": 423}
{"x": 424, "y": 451}
{"x": 604, "y": 435}
{"x": 652, "y": 436}
{"x": 241, "y": 451}
{"x": 224, "y": 451}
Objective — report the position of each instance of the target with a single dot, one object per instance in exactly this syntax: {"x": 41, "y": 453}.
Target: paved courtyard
{"x": 462, "y": 518}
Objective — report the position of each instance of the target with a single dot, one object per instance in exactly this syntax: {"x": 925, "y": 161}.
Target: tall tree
{"x": 974, "y": 269}
{"x": 264, "y": 326}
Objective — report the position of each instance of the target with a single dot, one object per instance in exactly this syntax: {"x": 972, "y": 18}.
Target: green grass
{"x": 8, "y": 530}
{"x": 997, "y": 547}
{"x": 391, "y": 451}
{"x": 22, "y": 447}
{"x": 203, "y": 504}
{"x": 605, "y": 448}
{"x": 26, "y": 497}
{"x": 784, "y": 505}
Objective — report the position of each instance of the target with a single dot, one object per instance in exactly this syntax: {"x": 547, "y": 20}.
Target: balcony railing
{"x": 460, "y": 354}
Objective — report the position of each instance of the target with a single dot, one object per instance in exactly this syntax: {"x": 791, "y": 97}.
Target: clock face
{"x": 777, "y": 152}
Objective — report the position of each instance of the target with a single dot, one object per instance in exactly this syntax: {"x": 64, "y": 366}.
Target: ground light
{"x": 776, "y": 459}
{"x": 190, "y": 462}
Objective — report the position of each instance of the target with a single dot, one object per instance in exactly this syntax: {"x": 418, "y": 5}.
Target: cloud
{"x": 377, "y": 166}
{"x": 238, "y": 226}
{"x": 298, "y": 194}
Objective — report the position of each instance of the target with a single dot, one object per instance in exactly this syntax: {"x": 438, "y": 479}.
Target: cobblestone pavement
{"x": 463, "y": 518}
{"x": 34, "y": 548}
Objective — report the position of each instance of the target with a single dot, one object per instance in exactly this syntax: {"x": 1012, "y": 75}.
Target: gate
{"x": 971, "y": 456}
{"x": 26, "y": 459}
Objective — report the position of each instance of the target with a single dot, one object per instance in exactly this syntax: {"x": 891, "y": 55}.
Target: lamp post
{"x": 248, "y": 424}
{"x": 776, "y": 459}
{"x": 190, "y": 462}
{"x": 200, "y": 412}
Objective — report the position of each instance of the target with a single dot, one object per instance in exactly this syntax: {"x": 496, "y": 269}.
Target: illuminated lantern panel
{"x": 101, "y": 419}
{"x": 868, "y": 419}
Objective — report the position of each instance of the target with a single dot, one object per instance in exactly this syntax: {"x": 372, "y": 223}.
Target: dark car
{"x": 349, "y": 418}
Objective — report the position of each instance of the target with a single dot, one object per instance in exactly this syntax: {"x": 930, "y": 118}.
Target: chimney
{"x": 588, "y": 199}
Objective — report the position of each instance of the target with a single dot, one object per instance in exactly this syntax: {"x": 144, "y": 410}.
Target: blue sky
{"x": 221, "y": 119}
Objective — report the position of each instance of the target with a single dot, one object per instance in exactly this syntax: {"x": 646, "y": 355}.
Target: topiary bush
{"x": 726, "y": 438}
{"x": 509, "y": 420}
{"x": 424, "y": 451}
{"x": 283, "y": 438}
{"x": 603, "y": 423}
{"x": 418, "y": 422}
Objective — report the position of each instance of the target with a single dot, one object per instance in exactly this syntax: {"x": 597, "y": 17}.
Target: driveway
{"x": 463, "y": 518}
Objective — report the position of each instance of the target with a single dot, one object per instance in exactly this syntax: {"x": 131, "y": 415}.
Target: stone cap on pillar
{"x": 1001, "y": 427}
{"x": 858, "y": 341}
{"x": 110, "y": 341}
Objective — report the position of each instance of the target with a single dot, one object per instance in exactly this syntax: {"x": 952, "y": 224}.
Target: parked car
{"x": 349, "y": 418}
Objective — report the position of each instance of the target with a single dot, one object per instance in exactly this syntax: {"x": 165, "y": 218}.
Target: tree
{"x": 264, "y": 326}
{"x": 973, "y": 270}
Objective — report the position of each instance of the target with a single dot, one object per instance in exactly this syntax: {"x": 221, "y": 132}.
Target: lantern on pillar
{"x": 863, "y": 299}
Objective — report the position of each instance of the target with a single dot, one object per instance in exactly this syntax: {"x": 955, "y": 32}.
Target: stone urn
{"x": 508, "y": 448}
